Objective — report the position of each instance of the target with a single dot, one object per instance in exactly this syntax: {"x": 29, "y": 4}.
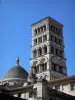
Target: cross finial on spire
{"x": 17, "y": 60}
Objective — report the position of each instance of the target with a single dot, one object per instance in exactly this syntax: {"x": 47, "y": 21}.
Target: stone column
{"x": 39, "y": 89}
{"x": 39, "y": 68}
{"x": 38, "y": 52}
{"x": 48, "y": 65}
{"x": 61, "y": 88}
{"x": 42, "y": 38}
{"x": 37, "y": 31}
{"x": 54, "y": 50}
{"x": 44, "y": 66}
{"x": 37, "y": 41}
{"x": 48, "y": 48}
{"x": 43, "y": 50}
{"x": 59, "y": 52}
{"x": 50, "y": 69}
{"x": 41, "y": 29}
{"x": 34, "y": 70}
{"x": 27, "y": 95}
{"x": 48, "y": 36}
{"x": 69, "y": 87}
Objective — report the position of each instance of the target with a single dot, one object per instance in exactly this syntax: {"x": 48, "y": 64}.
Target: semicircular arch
{"x": 34, "y": 63}
{"x": 54, "y": 59}
{"x": 61, "y": 62}
{"x": 43, "y": 60}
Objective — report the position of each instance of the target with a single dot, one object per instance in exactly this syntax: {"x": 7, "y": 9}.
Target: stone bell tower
{"x": 48, "y": 59}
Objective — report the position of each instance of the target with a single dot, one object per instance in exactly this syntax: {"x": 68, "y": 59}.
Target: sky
{"x": 16, "y": 17}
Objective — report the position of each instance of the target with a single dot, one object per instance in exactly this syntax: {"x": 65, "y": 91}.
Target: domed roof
{"x": 16, "y": 72}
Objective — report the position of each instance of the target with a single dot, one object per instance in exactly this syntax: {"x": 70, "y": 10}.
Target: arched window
{"x": 55, "y": 40}
{"x": 61, "y": 53}
{"x": 45, "y": 49}
{"x": 42, "y": 67}
{"x": 45, "y": 37}
{"x": 60, "y": 42}
{"x": 53, "y": 66}
{"x": 35, "y": 32}
{"x": 37, "y": 69}
{"x": 35, "y": 41}
{"x": 41, "y": 28}
{"x": 59, "y": 32}
{"x": 52, "y": 49}
{"x": 56, "y": 30}
{"x": 60, "y": 69}
{"x": 34, "y": 53}
{"x": 44, "y": 27}
{"x": 51, "y": 37}
{"x": 38, "y": 30}
{"x": 57, "y": 52}
{"x": 34, "y": 67}
{"x": 39, "y": 39}
{"x": 45, "y": 66}
{"x": 51, "y": 27}
{"x": 40, "y": 51}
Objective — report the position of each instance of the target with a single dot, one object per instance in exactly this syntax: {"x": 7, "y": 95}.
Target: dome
{"x": 16, "y": 72}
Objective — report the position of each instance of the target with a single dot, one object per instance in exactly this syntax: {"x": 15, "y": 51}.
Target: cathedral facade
{"x": 48, "y": 79}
